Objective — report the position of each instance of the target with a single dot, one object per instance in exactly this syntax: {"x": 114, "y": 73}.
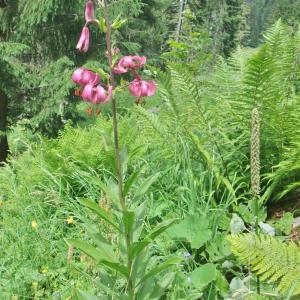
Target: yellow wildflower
{"x": 70, "y": 220}
{"x": 1, "y": 202}
{"x": 34, "y": 224}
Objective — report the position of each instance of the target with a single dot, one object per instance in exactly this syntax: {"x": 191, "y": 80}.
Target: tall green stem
{"x": 130, "y": 285}
{"x": 114, "y": 110}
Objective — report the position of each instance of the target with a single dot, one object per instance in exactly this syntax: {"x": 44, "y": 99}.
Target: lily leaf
{"x": 96, "y": 253}
{"x": 161, "y": 267}
{"x": 137, "y": 247}
{"x": 99, "y": 211}
{"x": 146, "y": 185}
{"x": 162, "y": 227}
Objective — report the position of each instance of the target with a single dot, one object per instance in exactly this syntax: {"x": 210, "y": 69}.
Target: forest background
{"x": 188, "y": 150}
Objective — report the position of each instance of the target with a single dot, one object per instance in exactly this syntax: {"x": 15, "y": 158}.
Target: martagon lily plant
{"x": 125, "y": 263}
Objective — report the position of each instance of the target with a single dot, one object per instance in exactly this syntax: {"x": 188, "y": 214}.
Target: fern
{"x": 285, "y": 177}
{"x": 273, "y": 260}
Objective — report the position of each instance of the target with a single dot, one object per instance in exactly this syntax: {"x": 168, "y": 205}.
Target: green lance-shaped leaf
{"x": 99, "y": 211}
{"x": 97, "y": 254}
{"x": 138, "y": 247}
{"x": 101, "y": 242}
{"x": 146, "y": 185}
{"x": 159, "y": 229}
{"x": 111, "y": 191}
{"x": 116, "y": 267}
{"x": 128, "y": 184}
{"x": 161, "y": 267}
{"x": 100, "y": 256}
{"x": 153, "y": 289}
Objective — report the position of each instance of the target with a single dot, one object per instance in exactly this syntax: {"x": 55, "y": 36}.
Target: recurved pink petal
{"x": 96, "y": 94}
{"x": 109, "y": 93}
{"x": 87, "y": 93}
{"x": 142, "y": 88}
{"x": 90, "y": 77}
{"x": 135, "y": 88}
{"x": 120, "y": 69}
{"x": 77, "y": 75}
{"x": 138, "y": 61}
{"x": 100, "y": 94}
{"x": 83, "y": 76}
{"x": 151, "y": 88}
{"x": 129, "y": 62}
{"x": 103, "y": 95}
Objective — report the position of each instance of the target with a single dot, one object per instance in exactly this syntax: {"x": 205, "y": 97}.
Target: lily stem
{"x": 119, "y": 171}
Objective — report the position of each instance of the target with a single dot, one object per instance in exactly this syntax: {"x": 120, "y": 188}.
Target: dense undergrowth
{"x": 193, "y": 141}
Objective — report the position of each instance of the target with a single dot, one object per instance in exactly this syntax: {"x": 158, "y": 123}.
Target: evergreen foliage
{"x": 265, "y": 12}
{"x": 222, "y": 19}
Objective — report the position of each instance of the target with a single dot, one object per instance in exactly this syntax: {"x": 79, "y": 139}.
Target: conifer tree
{"x": 221, "y": 18}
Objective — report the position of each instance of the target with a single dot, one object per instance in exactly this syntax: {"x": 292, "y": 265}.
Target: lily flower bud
{"x": 84, "y": 40}
{"x": 89, "y": 11}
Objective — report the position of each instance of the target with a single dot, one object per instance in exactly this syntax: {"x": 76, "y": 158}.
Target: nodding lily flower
{"x": 96, "y": 94}
{"x": 142, "y": 88}
{"x": 89, "y": 11}
{"x": 84, "y": 40}
{"x": 83, "y": 76}
{"x": 131, "y": 62}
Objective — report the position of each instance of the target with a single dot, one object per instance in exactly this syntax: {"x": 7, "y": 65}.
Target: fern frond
{"x": 153, "y": 120}
{"x": 273, "y": 260}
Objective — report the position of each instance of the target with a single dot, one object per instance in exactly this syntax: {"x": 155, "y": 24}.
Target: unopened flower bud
{"x": 84, "y": 40}
{"x": 89, "y": 11}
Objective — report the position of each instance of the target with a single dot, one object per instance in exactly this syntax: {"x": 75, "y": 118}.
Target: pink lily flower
{"x": 131, "y": 62}
{"x": 89, "y": 11}
{"x": 84, "y": 40}
{"x": 142, "y": 88}
{"x": 96, "y": 94}
{"x": 83, "y": 76}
